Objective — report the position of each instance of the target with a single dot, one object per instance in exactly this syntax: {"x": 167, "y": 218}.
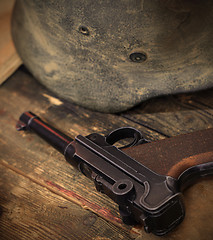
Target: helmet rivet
{"x": 138, "y": 57}
{"x": 84, "y": 30}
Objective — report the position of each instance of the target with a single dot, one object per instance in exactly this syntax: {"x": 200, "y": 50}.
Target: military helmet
{"x": 111, "y": 55}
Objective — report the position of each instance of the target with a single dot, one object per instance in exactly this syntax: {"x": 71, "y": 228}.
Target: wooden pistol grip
{"x": 172, "y": 156}
{"x": 188, "y": 162}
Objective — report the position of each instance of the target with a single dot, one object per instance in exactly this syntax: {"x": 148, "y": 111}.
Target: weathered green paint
{"x": 80, "y": 49}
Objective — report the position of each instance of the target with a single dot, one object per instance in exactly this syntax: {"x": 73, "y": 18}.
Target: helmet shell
{"x": 110, "y": 55}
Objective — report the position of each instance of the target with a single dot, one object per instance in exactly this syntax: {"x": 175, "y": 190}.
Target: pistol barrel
{"x": 30, "y": 121}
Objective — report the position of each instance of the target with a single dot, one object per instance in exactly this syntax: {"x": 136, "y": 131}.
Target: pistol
{"x": 143, "y": 196}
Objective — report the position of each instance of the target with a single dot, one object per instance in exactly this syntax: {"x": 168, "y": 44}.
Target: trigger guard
{"x": 126, "y": 132}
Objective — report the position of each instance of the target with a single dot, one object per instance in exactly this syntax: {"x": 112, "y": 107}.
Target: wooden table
{"x": 43, "y": 197}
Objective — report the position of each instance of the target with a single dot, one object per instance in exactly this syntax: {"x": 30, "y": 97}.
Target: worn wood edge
{"x": 9, "y": 67}
{"x": 9, "y": 59}
{"x": 77, "y": 199}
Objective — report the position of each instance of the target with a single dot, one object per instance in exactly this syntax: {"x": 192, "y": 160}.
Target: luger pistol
{"x": 143, "y": 196}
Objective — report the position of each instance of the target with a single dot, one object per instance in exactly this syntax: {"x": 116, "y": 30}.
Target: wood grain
{"x": 9, "y": 59}
{"x": 48, "y": 175}
{"x": 174, "y": 115}
{"x": 30, "y": 211}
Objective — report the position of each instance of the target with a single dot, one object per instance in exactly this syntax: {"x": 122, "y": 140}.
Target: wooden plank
{"x": 204, "y": 98}
{"x": 173, "y": 115}
{"x": 30, "y": 211}
{"x": 31, "y": 157}
{"x": 9, "y": 59}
